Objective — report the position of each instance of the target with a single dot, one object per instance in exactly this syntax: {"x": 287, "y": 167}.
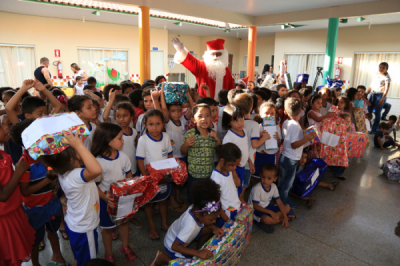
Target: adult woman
{"x": 379, "y": 88}
{"x": 79, "y": 72}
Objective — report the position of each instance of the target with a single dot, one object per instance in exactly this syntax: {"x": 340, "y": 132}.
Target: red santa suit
{"x": 199, "y": 70}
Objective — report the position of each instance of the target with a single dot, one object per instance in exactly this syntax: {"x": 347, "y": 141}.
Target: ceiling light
{"x": 227, "y": 27}
{"x": 284, "y": 26}
{"x": 178, "y": 23}
{"x": 360, "y": 19}
{"x": 96, "y": 13}
{"x": 343, "y": 20}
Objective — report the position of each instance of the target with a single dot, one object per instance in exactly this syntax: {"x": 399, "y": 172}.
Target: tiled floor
{"x": 353, "y": 225}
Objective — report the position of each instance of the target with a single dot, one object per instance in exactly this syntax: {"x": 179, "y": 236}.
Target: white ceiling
{"x": 46, "y": 10}
{"x": 265, "y": 7}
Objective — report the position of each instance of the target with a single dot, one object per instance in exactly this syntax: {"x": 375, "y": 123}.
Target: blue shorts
{"x": 84, "y": 245}
{"x": 240, "y": 173}
{"x": 176, "y": 255}
{"x": 247, "y": 177}
{"x": 183, "y": 159}
{"x": 105, "y": 220}
{"x": 261, "y": 159}
{"x": 164, "y": 193}
{"x": 258, "y": 214}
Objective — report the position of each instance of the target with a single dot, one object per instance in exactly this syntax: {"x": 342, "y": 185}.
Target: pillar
{"x": 251, "y": 52}
{"x": 330, "y": 51}
{"x": 144, "y": 42}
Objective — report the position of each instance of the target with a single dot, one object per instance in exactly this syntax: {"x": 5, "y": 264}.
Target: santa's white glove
{"x": 178, "y": 45}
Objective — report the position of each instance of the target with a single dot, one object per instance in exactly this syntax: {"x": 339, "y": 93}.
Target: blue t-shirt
{"x": 377, "y": 135}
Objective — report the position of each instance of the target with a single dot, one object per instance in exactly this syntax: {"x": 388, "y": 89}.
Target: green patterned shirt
{"x": 201, "y": 154}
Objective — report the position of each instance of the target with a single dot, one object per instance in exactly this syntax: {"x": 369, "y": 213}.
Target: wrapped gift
{"x": 178, "y": 174}
{"x": 190, "y": 262}
{"x": 282, "y": 71}
{"x": 359, "y": 117}
{"x": 175, "y": 92}
{"x": 334, "y": 82}
{"x": 129, "y": 195}
{"x": 391, "y": 169}
{"x": 302, "y": 78}
{"x": 45, "y": 137}
{"x": 307, "y": 180}
{"x": 314, "y": 128}
{"x": 288, "y": 81}
{"x": 334, "y": 109}
{"x": 356, "y": 143}
{"x": 336, "y": 156}
{"x": 269, "y": 125}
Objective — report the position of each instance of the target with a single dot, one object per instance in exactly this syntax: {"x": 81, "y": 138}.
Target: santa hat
{"x": 215, "y": 45}
{"x": 244, "y": 80}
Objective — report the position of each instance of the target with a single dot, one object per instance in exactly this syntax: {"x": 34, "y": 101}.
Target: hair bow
{"x": 210, "y": 207}
{"x": 62, "y": 99}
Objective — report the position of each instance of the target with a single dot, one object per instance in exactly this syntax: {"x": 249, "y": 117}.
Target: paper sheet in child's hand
{"x": 271, "y": 143}
{"x": 330, "y": 139}
{"x": 368, "y": 125}
{"x": 164, "y": 164}
{"x": 125, "y": 204}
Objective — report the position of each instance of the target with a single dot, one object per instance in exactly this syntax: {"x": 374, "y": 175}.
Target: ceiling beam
{"x": 190, "y": 9}
{"x": 352, "y": 10}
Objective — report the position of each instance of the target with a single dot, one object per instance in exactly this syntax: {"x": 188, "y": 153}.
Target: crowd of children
{"x": 223, "y": 143}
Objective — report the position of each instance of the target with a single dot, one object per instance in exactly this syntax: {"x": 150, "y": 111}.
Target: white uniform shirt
{"x": 79, "y": 89}
{"x": 113, "y": 170}
{"x": 184, "y": 230}
{"x": 80, "y": 74}
{"x": 229, "y": 194}
{"x": 140, "y": 127}
{"x": 325, "y": 110}
{"x": 241, "y": 142}
{"x": 221, "y": 132}
{"x": 129, "y": 149}
{"x": 393, "y": 128}
{"x": 262, "y": 148}
{"x": 151, "y": 150}
{"x": 176, "y": 134}
{"x": 83, "y": 201}
{"x": 88, "y": 141}
{"x": 262, "y": 196}
{"x": 253, "y": 130}
{"x": 292, "y": 132}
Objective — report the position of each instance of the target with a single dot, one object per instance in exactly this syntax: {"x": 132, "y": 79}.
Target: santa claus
{"x": 213, "y": 71}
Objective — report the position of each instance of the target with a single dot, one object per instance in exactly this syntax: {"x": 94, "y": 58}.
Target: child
{"x": 82, "y": 105}
{"x": 109, "y": 111}
{"x": 313, "y": 112}
{"x": 282, "y": 90}
{"x": 196, "y": 223}
{"x": 325, "y": 95}
{"x": 78, "y": 88}
{"x": 17, "y": 235}
{"x": 127, "y": 88}
{"x": 135, "y": 97}
{"x": 292, "y": 148}
{"x": 369, "y": 117}
{"x": 78, "y": 184}
{"x": 263, "y": 155}
{"x": 233, "y": 121}
{"x": 346, "y": 117}
{"x": 199, "y": 144}
{"x": 255, "y": 138}
{"x": 154, "y": 145}
{"x": 147, "y": 105}
{"x": 106, "y": 91}
{"x": 261, "y": 196}
{"x": 391, "y": 123}
{"x": 99, "y": 116}
{"x": 344, "y": 104}
{"x": 363, "y": 102}
{"x": 214, "y": 110}
{"x": 229, "y": 156}
{"x": 107, "y": 144}
{"x": 305, "y": 94}
{"x": 223, "y": 102}
{"x": 381, "y": 140}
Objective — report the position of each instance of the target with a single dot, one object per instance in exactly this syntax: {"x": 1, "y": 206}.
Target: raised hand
{"x": 178, "y": 44}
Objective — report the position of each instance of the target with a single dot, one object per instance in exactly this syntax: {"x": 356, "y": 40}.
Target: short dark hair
{"x": 393, "y": 118}
{"x": 262, "y": 94}
{"x": 89, "y": 87}
{"x": 207, "y": 100}
{"x": 151, "y": 113}
{"x": 76, "y": 102}
{"x": 18, "y": 128}
{"x": 304, "y": 92}
{"x": 293, "y": 91}
{"x": 205, "y": 191}
{"x": 244, "y": 101}
{"x": 44, "y": 60}
{"x": 61, "y": 162}
{"x": 369, "y": 115}
{"x": 135, "y": 97}
{"x": 77, "y": 78}
{"x": 120, "y": 98}
{"x": 126, "y": 106}
{"x": 108, "y": 87}
{"x": 383, "y": 125}
{"x": 230, "y": 152}
{"x": 223, "y": 97}
{"x": 146, "y": 92}
{"x": 270, "y": 167}
{"x": 361, "y": 87}
{"x": 231, "y": 112}
{"x": 232, "y": 94}
{"x": 104, "y": 133}
{"x": 2, "y": 90}
{"x": 198, "y": 106}
{"x": 31, "y": 103}
{"x": 160, "y": 78}
{"x": 126, "y": 85}
{"x": 280, "y": 86}
{"x": 91, "y": 80}
{"x": 148, "y": 83}
{"x": 292, "y": 107}
{"x": 268, "y": 92}
{"x": 351, "y": 93}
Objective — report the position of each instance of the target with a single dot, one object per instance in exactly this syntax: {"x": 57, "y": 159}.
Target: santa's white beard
{"x": 216, "y": 68}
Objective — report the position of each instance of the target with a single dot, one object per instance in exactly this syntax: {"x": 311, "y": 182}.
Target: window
{"x": 108, "y": 66}
{"x": 256, "y": 62}
{"x": 366, "y": 66}
{"x": 17, "y": 63}
{"x": 304, "y": 63}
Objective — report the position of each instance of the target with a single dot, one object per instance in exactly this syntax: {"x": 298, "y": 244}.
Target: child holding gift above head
{"x": 313, "y": 114}
{"x": 154, "y": 145}
{"x": 116, "y": 166}
{"x": 261, "y": 195}
{"x": 229, "y": 156}
{"x": 199, "y": 144}
{"x": 16, "y": 234}
{"x": 196, "y": 223}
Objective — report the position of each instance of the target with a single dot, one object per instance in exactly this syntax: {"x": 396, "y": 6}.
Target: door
{"x": 190, "y": 78}
{"x": 156, "y": 64}
{"x": 230, "y": 61}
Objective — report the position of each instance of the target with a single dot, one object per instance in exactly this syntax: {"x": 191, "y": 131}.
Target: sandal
{"x": 310, "y": 203}
{"x": 109, "y": 258}
{"x": 333, "y": 186}
{"x": 62, "y": 232}
{"x": 131, "y": 256}
{"x": 291, "y": 218}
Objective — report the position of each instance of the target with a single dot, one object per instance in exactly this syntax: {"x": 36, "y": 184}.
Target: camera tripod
{"x": 319, "y": 73}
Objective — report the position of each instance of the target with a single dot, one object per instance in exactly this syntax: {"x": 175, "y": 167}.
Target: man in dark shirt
{"x": 42, "y": 73}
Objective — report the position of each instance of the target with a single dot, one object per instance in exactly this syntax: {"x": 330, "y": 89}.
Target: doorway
{"x": 230, "y": 62}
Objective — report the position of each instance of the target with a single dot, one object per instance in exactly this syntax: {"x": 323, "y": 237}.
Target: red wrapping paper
{"x": 178, "y": 174}
{"x": 356, "y": 143}
{"x": 126, "y": 187}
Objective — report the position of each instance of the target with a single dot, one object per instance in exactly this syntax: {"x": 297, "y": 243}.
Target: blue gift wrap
{"x": 307, "y": 180}
{"x": 175, "y": 92}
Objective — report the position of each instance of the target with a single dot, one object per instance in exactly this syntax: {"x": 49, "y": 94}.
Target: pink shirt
{"x": 312, "y": 121}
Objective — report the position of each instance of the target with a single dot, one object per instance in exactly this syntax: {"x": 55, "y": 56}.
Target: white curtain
{"x": 156, "y": 64}
{"x": 296, "y": 64}
{"x": 17, "y": 63}
{"x": 366, "y": 66}
{"x": 314, "y": 61}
